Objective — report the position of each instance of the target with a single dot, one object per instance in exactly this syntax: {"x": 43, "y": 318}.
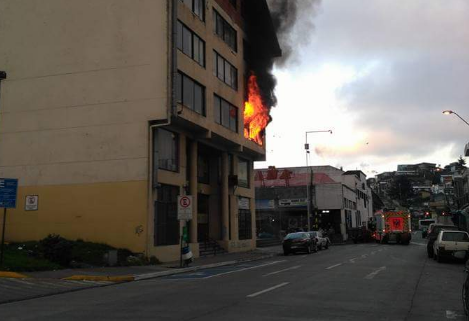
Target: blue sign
{"x": 8, "y": 192}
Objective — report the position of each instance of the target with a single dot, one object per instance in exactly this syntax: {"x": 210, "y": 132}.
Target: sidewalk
{"x": 30, "y": 285}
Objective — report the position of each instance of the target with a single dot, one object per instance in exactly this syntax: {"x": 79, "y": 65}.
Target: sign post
{"x": 184, "y": 214}
{"x": 8, "y": 194}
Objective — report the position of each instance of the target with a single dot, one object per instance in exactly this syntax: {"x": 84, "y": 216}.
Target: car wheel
{"x": 285, "y": 253}
{"x": 308, "y": 249}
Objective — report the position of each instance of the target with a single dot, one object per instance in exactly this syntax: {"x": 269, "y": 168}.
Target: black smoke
{"x": 271, "y": 38}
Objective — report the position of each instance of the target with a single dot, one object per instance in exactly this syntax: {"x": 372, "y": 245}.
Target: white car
{"x": 322, "y": 241}
{"x": 451, "y": 244}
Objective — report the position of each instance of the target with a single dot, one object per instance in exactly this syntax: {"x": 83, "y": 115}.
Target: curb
{"x": 12, "y": 275}
{"x": 107, "y": 278}
{"x": 153, "y": 275}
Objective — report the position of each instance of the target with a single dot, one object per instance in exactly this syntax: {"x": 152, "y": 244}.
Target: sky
{"x": 378, "y": 73}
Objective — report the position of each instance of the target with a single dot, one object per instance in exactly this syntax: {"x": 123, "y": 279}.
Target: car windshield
{"x": 313, "y": 234}
{"x": 455, "y": 237}
{"x": 438, "y": 228}
{"x": 293, "y": 236}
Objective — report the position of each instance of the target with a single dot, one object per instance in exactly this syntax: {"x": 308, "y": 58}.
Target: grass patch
{"x": 18, "y": 258}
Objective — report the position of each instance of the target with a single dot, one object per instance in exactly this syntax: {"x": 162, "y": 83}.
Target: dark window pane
{"x": 187, "y": 41}
{"x": 202, "y": 53}
{"x": 227, "y": 79}
{"x": 196, "y": 56}
{"x": 225, "y": 114}
{"x": 233, "y": 118}
{"x": 167, "y": 146}
{"x": 188, "y": 93}
{"x": 234, "y": 78}
{"x": 219, "y": 25}
{"x": 243, "y": 173}
{"x": 203, "y": 169}
{"x": 179, "y": 88}
{"x": 166, "y": 223}
{"x": 215, "y": 61}
{"x": 179, "y": 35}
{"x": 216, "y": 109}
{"x": 220, "y": 66}
{"x": 198, "y": 99}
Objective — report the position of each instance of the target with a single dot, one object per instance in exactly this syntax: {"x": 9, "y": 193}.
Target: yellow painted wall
{"x": 111, "y": 213}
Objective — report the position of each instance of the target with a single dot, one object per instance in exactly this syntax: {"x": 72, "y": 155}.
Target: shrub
{"x": 57, "y": 249}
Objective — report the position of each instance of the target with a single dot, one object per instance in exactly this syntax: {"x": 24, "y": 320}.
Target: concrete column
{"x": 224, "y": 196}
{"x": 193, "y": 189}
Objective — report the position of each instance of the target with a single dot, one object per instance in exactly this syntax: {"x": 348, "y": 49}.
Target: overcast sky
{"x": 378, "y": 73}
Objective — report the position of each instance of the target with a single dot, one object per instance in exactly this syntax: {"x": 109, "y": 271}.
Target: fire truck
{"x": 393, "y": 227}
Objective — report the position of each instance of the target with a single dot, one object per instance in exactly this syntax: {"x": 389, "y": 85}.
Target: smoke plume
{"x": 289, "y": 20}
{"x": 293, "y": 21}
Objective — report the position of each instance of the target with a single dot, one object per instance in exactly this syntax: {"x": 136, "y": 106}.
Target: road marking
{"x": 415, "y": 243}
{"x": 364, "y": 256}
{"x": 453, "y": 315}
{"x": 333, "y": 266}
{"x": 245, "y": 269}
{"x": 353, "y": 260}
{"x": 374, "y": 273}
{"x": 267, "y": 290}
{"x": 280, "y": 271}
{"x": 304, "y": 256}
{"x": 373, "y": 253}
{"x": 374, "y": 245}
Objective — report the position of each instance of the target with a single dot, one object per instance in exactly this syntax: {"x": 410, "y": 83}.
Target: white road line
{"x": 245, "y": 269}
{"x": 280, "y": 271}
{"x": 353, "y": 260}
{"x": 374, "y": 273}
{"x": 415, "y": 243}
{"x": 364, "y": 256}
{"x": 267, "y": 290}
{"x": 453, "y": 315}
{"x": 333, "y": 266}
{"x": 22, "y": 281}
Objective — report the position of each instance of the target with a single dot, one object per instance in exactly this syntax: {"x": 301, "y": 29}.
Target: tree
{"x": 461, "y": 162}
{"x": 401, "y": 189}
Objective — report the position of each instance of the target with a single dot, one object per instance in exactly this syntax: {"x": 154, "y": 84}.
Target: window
{"x": 223, "y": 29}
{"x": 455, "y": 237}
{"x": 190, "y": 93}
{"x": 166, "y": 222}
{"x": 244, "y": 219}
{"x": 225, "y": 71}
{"x": 190, "y": 44}
{"x": 197, "y": 7}
{"x": 166, "y": 149}
{"x": 225, "y": 114}
{"x": 243, "y": 173}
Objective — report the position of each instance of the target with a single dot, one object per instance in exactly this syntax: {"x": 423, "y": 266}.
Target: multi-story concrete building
{"x": 113, "y": 108}
{"x": 338, "y": 199}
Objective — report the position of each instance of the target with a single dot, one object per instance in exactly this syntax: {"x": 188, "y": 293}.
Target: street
{"x": 351, "y": 282}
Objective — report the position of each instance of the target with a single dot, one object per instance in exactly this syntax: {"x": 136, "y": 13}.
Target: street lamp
{"x": 449, "y": 112}
{"x": 308, "y": 187}
{"x": 306, "y": 140}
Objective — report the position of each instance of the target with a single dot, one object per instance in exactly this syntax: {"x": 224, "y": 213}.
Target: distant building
{"x": 338, "y": 199}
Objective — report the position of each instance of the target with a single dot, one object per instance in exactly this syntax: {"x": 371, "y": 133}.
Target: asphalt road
{"x": 350, "y": 282}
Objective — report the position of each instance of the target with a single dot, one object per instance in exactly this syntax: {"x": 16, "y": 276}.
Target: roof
{"x": 356, "y": 172}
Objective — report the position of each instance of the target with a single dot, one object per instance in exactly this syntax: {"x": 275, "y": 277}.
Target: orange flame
{"x": 256, "y": 115}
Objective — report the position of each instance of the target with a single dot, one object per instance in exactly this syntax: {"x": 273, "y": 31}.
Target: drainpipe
{"x": 172, "y": 61}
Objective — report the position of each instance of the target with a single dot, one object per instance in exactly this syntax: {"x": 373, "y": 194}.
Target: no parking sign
{"x": 185, "y": 207}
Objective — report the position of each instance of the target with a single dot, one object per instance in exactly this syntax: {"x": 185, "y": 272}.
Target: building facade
{"x": 338, "y": 199}
{"x": 113, "y": 108}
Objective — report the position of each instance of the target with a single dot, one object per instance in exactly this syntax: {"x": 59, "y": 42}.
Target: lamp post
{"x": 449, "y": 112}
{"x": 308, "y": 187}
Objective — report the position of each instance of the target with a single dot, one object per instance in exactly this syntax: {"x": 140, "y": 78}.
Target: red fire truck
{"x": 393, "y": 226}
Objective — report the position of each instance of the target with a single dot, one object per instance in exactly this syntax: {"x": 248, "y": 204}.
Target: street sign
{"x": 31, "y": 203}
{"x": 185, "y": 207}
{"x": 8, "y": 192}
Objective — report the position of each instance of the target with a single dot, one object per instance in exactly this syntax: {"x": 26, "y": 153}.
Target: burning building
{"x": 135, "y": 104}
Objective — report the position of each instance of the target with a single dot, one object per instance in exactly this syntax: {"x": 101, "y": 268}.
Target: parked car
{"x": 298, "y": 242}
{"x": 433, "y": 231}
{"x": 322, "y": 241}
{"x": 451, "y": 244}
